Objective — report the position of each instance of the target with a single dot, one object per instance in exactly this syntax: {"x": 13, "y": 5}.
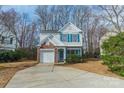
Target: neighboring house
{"x": 55, "y": 46}
{"x": 7, "y": 41}
{"x": 105, "y": 37}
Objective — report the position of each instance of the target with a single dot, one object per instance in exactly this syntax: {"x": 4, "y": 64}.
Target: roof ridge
{"x": 69, "y": 23}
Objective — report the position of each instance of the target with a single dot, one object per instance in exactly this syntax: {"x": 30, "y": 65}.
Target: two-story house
{"x": 55, "y": 46}
{"x": 7, "y": 41}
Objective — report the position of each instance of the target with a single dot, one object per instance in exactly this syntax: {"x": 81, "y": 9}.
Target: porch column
{"x": 64, "y": 54}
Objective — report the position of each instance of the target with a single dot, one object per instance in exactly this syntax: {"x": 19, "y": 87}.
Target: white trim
{"x": 64, "y": 54}
{"x": 73, "y": 48}
{"x": 47, "y": 49}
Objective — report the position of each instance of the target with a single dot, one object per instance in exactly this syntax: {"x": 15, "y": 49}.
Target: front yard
{"x": 95, "y": 66}
{"x": 7, "y": 70}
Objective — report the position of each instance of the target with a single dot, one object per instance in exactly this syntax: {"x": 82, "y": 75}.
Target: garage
{"x": 47, "y": 56}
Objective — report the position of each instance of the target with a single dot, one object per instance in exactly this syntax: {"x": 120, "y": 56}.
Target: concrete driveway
{"x": 62, "y": 77}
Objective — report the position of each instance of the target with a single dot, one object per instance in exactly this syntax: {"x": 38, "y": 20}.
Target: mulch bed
{"x": 6, "y": 73}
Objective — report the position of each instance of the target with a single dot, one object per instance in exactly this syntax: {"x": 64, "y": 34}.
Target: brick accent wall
{"x": 38, "y": 54}
{"x": 56, "y": 55}
{"x": 44, "y": 46}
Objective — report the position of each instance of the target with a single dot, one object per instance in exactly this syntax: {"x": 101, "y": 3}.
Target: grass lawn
{"x": 95, "y": 66}
{"x": 8, "y": 70}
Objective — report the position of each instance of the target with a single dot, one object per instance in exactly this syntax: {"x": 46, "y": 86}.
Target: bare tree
{"x": 114, "y": 14}
{"x": 53, "y": 17}
{"x": 44, "y": 16}
{"x": 31, "y": 37}
{"x": 9, "y": 20}
{"x": 19, "y": 26}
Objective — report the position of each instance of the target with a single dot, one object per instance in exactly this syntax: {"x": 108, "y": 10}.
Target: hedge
{"x": 72, "y": 58}
{"x": 18, "y": 54}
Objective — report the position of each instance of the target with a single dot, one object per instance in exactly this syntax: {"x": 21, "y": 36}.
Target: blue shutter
{"x": 68, "y": 37}
{"x": 78, "y": 38}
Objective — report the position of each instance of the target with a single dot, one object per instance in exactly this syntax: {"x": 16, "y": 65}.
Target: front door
{"x": 61, "y": 55}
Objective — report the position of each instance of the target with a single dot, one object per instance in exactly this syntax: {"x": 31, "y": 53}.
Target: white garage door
{"x": 47, "y": 56}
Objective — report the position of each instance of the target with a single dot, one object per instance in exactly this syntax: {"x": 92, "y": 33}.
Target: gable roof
{"x": 69, "y": 24}
{"x": 53, "y": 40}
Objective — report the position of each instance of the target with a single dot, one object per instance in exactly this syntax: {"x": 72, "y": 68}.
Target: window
{"x": 3, "y": 40}
{"x": 64, "y": 37}
{"x": 70, "y": 37}
{"x": 75, "y": 51}
{"x": 75, "y": 37}
{"x": 11, "y": 40}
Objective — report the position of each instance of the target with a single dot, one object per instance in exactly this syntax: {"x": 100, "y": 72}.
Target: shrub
{"x": 22, "y": 53}
{"x": 6, "y": 56}
{"x": 113, "y": 53}
{"x": 73, "y": 58}
{"x": 18, "y": 54}
{"x": 28, "y": 53}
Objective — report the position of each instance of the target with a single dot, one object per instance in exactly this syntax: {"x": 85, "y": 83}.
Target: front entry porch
{"x": 64, "y": 52}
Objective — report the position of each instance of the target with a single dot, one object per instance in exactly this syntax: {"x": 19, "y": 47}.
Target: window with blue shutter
{"x": 70, "y": 37}
{"x": 64, "y": 37}
{"x": 75, "y": 38}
